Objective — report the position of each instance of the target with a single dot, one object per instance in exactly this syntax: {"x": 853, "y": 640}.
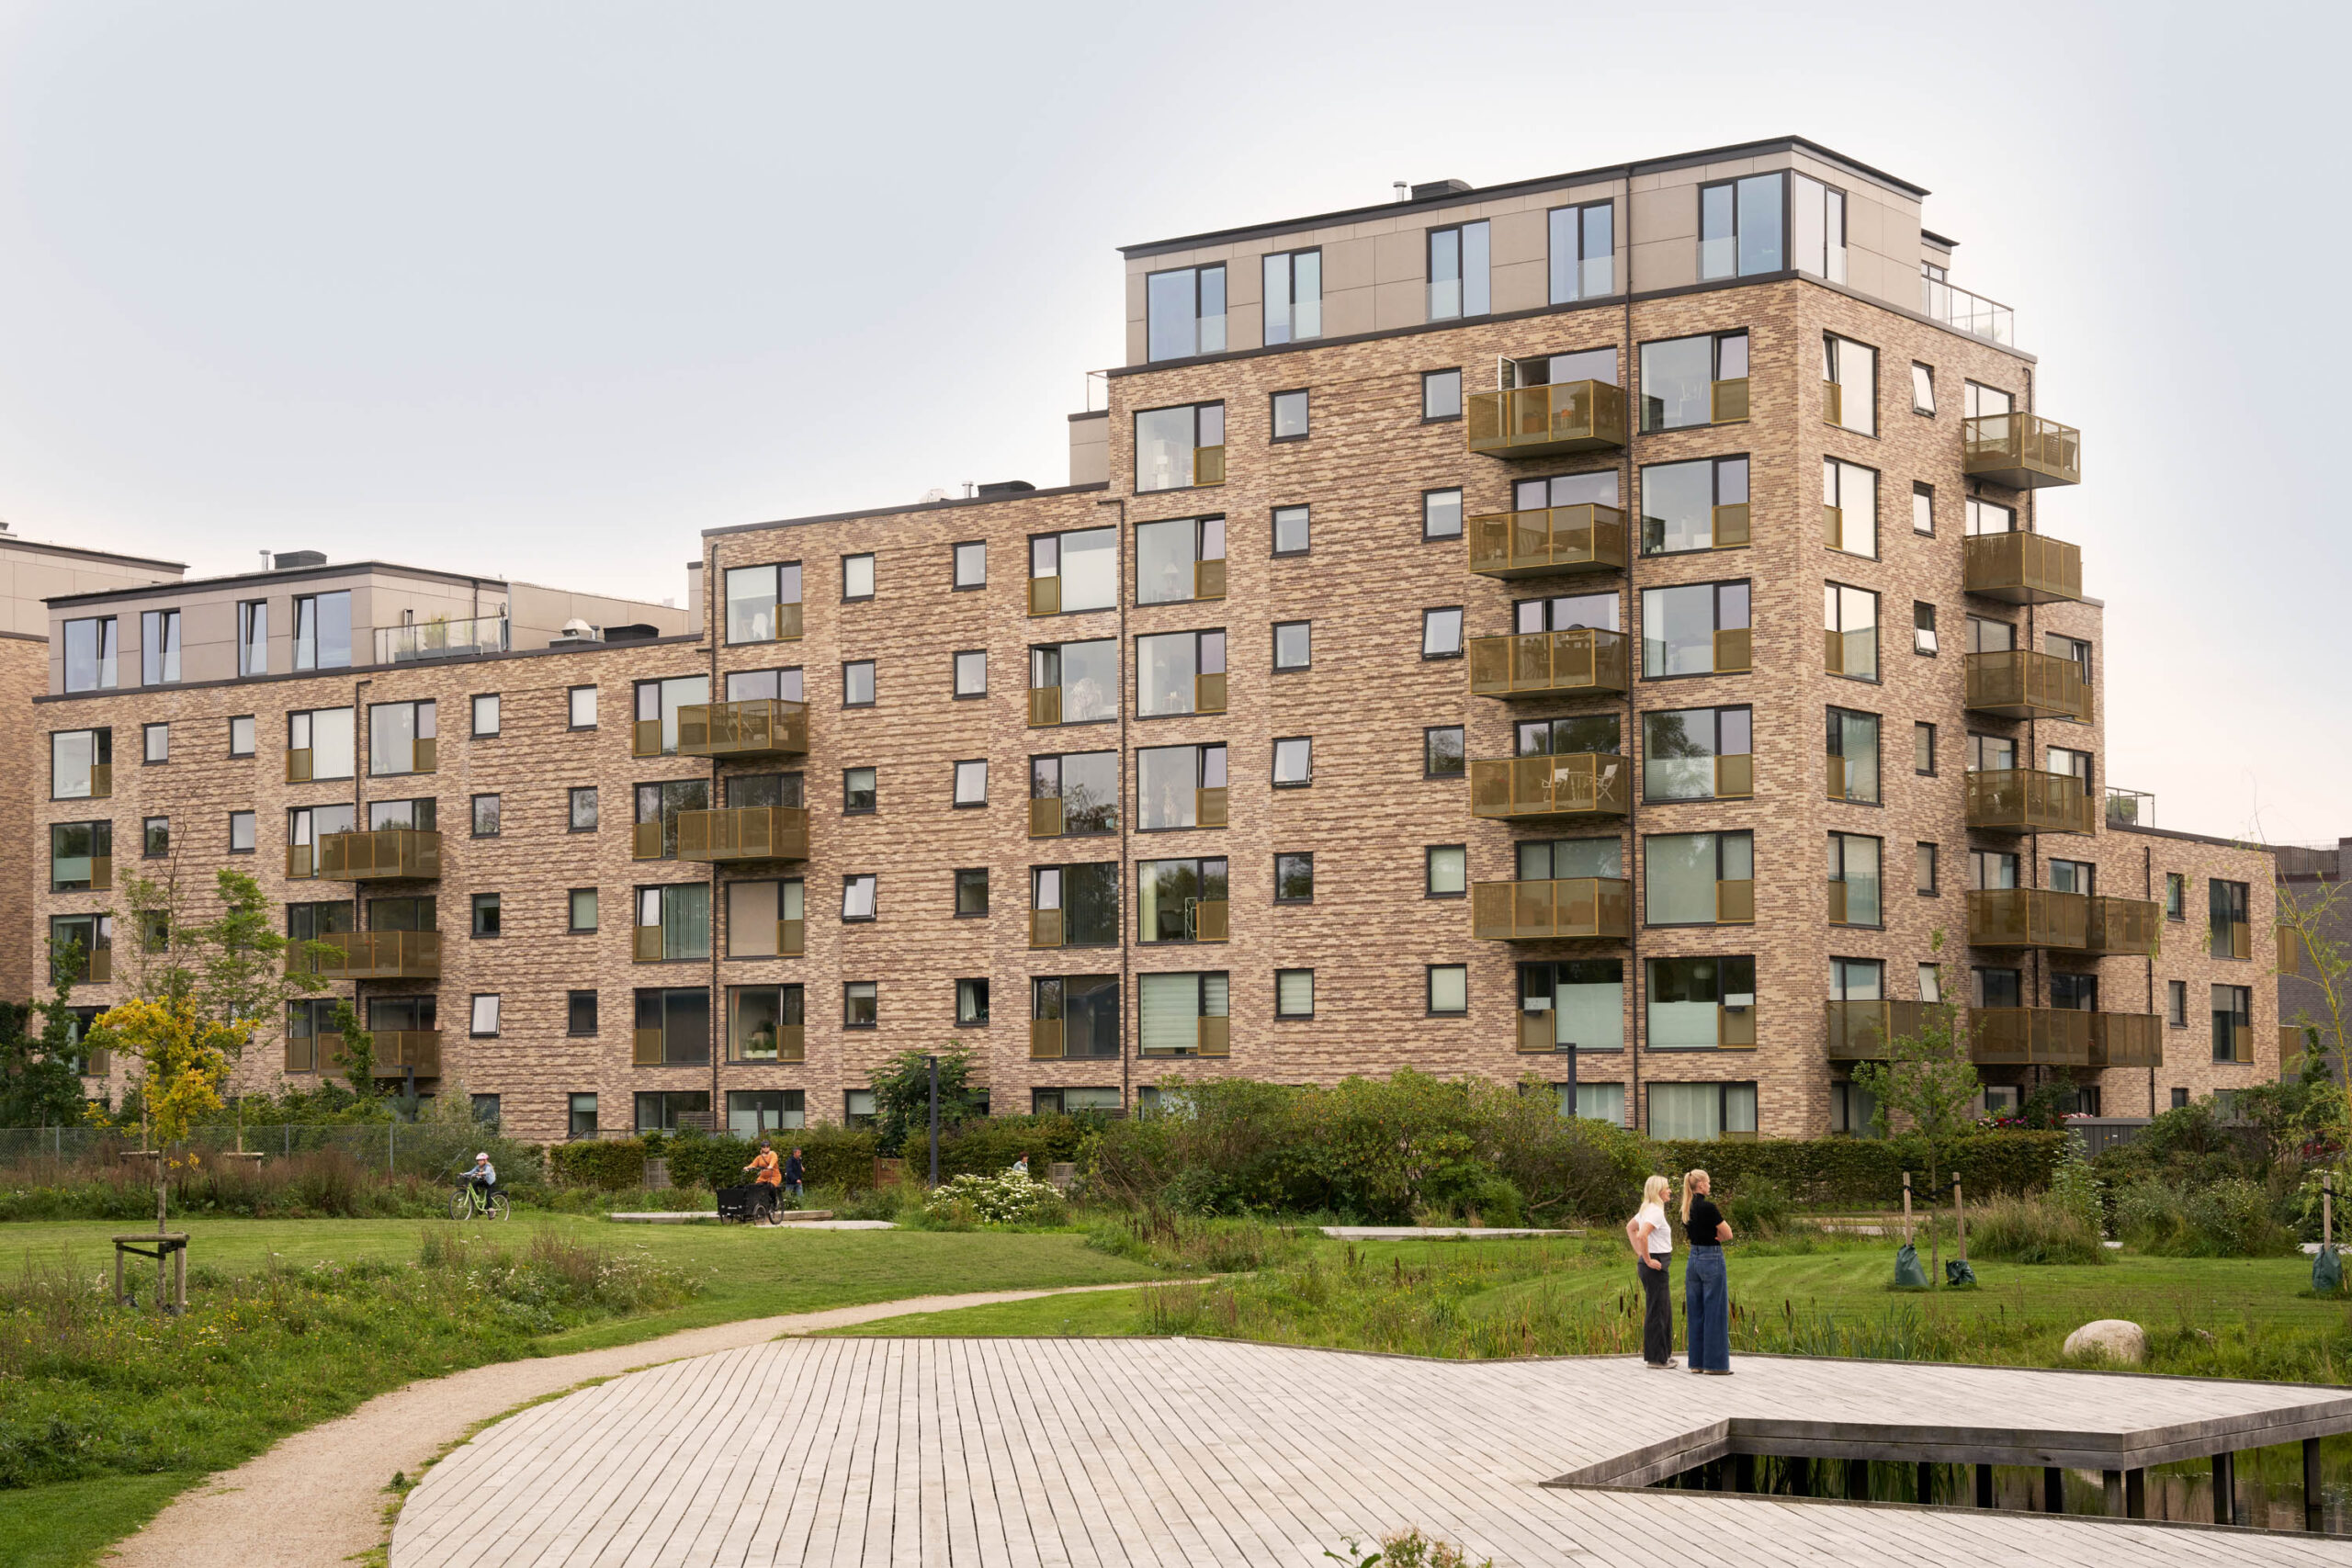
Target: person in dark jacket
{"x": 1706, "y": 1299}
{"x": 793, "y": 1173}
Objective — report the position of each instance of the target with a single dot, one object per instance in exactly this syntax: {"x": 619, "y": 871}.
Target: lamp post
{"x": 1567, "y": 1052}
{"x": 934, "y": 1120}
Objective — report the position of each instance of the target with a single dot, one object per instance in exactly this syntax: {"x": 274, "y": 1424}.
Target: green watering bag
{"x": 2327, "y": 1272}
{"x": 1908, "y": 1275}
{"x": 1958, "y": 1272}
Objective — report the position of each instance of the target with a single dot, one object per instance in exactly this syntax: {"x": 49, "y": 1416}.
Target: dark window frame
{"x": 1306, "y": 1017}
{"x": 473, "y": 715}
{"x": 253, "y": 821}
{"x": 955, "y": 892}
{"x": 849, "y": 810}
{"x": 474, "y": 907}
{"x": 1429, "y": 991}
{"x": 851, "y": 879}
{"x": 1461, "y": 397}
{"x": 572, "y": 1029}
{"x": 1274, "y": 752}
{"x": 1463, "y": 731}
{"x": 1282, "y": 855}
{"x": 571, "y": 808}
{"x": 1274, "y": 408}
{"x": 873, "y": 682}
{"x": 1275, "y": 648}
{"x": 873, "y": 990}
{"x": 1274, "y": 534}
{"x": 955, "y": 673}
{"x": 1461, "y": 629}
{"x": 1462, "y": 504}
{"x": 873, "y": 569}
{"x": 570, "y": 706}
{"x": 956, "y": 779}
{"x": 955, "y": 549}
{"x": 1429, "y": 868}
{"x": 570, "y": 929}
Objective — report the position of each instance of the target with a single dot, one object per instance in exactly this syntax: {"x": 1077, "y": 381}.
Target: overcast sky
{"x": 545, "y": 289}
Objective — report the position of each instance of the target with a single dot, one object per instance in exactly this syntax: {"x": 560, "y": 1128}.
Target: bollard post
{"x": 1907, "y": 1205}
{"x": 1960, "y": 1219}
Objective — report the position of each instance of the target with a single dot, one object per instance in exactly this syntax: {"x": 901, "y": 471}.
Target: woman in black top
{"x": 1705, "y": 1297}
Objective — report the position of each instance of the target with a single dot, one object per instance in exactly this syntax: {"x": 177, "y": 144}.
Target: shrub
{"x": 1187, "y": 1243}
{"x": 2228, "y": 1218}
{"x": 2034, "y": 1230}
{"x": 1009, "y": 1199}
{"x": 609, "y": 1165}
{"x": 1865, "y": 1171}
{"x": 1758, "y": 1207}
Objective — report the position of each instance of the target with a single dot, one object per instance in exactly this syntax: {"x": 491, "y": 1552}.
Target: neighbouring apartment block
{"x": 1624, "y": 630}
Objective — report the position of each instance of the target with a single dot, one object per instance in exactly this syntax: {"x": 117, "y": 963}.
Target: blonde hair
{"x": 1688, "y": 1191}
{"x": 1653, "y": 1190}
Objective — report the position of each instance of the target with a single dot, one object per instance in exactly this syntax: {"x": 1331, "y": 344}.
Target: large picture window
{"x": 1698, "y": 505}
{"x": 1699, "y": 879}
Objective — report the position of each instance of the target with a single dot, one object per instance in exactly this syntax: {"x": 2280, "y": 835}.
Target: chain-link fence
{"x": 400, "y": 1148}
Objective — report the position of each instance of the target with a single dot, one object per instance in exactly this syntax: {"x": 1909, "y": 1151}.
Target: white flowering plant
{"x": 1011, "y": 1198}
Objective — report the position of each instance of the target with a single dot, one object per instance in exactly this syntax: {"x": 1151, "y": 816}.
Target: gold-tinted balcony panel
{"x": 1736, "y": 903}
{"x": 374, "y": 956}
{"x": 2290, "y": 950}
{"x": 2025, "y": 800}
{"x": 2027, "y": 917}
{"x": 645, "y": 840}
{"x": 2023, "y": 568}
{"x": 1537, "y": 1034}
{"x": 1727, "y": 402}
{"x": 2021, "y": 683}
{"x": 744, "y": 833}
{"x": 645, "y": 1048}
{"x": 1045, "y": 595}
{"x": 1731, "y": 526}
{"x": 1208, "y": 578}
{"x": 101, "y": 781}
{"x": 2237, "y": 1040}
{"x": 788, "y": 622}
{"x": 1858, "y": 1031}
{"x": 2123, "y": 927}
{"x": 1527, "y": 788}
{"x": 2232, "y": 938}
{"x": 298, "y": 764}
{"x": 645, "y": 946}
{"x": 1045, "y": 1039}
{"x": 791, "y": 939}
{"x": 1735, "y": 1031}
{"x": 645, "y": 738}
{"x": 99, "y": 1063}
{"x": 2292, "y": 1045}
{"x": 2023, "y": 451}
{"x": 98, "y": 969}
{"x": 385, "y": 854}
{"x": 1735, "y": 776}
{"x": 2127, "y": 1039}
{"x": 1212, "y": 921}
{"x": 1045, "y": 704}
{"x": 1209, "y": 808}
{"x": 1208, "y": 464}
{"x": 1208, "y": 694}
{"x": 1546, "y": 422}
{"x": 2030, "y": 1037}
{"x": 1575, "y": 909}
{"x": 1536, "y": 664}
{"x": 302, "y": 863}
{"x": 1838, "y": 904}
{"x": 763, "y": 727}
{"x": 1510, "y": 544}
{"x": 1833, "y": 403}
{"x": 1212, "y": 1037}
{"x": 1045, "y": 928}
{"x": 398, "y": 1050}
{"x": 1046, "y": 817}
{"x": 1735, "y": 651}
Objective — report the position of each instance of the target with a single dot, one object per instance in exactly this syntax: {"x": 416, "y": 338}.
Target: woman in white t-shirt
{"x": 1651, "y": 1236}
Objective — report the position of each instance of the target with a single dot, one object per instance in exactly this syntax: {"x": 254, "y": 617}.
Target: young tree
{"x": 1929, "y": 1081}
{"x": 2312, "y": 918}
{"x": 233, "y": 969}
{"x": 359, "y": 1053}
{"x": 40, "y": 1085}
{"x": 184, "y": 1060}
{"x": 902, "y": 1096}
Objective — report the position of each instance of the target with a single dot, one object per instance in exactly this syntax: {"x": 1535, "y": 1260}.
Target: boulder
{"x": 2117, "y": 1340}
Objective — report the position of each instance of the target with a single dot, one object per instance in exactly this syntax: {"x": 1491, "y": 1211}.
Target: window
{"x": 765, "y": 685}
{"x": 1691, "y": 753}
{"x": 2175, "y": 895}
{"x": 1923, "y": 748}
{"x": 1441, "y": 514}
{"x": 673, "y": 922}
{"x": 1699, "y": 505}
{"x": 582, "y": 906}
{"x": 1180, "y": 560}
{"x": 1931, "y": 983}
{"x": 241, "y": 736}
{"x": 1184, "y": 312}
{"x": 762, "y": 606}
{"x": 1850, "y": 385}
{"x": 1694, "y": 380}
{"x": 857, "y": 1107}
{"x": 766, "y": 1023}
{"x": 486, "y": 914}
{"x": 583, "y": 808}
{"x": 159, "y": 648}
{"x": 1979, "y": 401}
{"x": 1458, "y": 275}
{"x": 666, "y": 1110}
{"x": 1293, "y": 993}
{"x": 2072, "y": 649}
{"x": 1290, "y": 531}
{"x": 1441, "y": 395}
{"x": 767, "y": 920}
{"x": 2180, "y": 1098}
{"x": 1074, "y": 572}
{"x": 1177, "y": 786}
{"x": 485, "y": 816}
{"x": 1074, "y": 682}
{"x": 1701, "y": 1003}
{"x": 93, "y": 934}
{"x": 1857, "y": 980}
{"x": 2176, "y": 1003}
{"x": 1992, "y": 870}
{"x": 662, "y": 804}
{"x": 81, "y": 765}
{"x": 486, "y": 715}
{"x": 81, "y": 857}
{"x": 1580, "y": 1002}
{"x": 671, "y": 1029}
{"x": 1181, "y": 900}
{"x": 1075, "y": 1016}
{"x": 1179, "y": 447}
{"x": 1923, "y": 627}
{"x": 1444, "y": 753}
{"x": 1923, "y": 509}
{"x": 857, "y": 683}
{"x": 971, "y": 565}
{"x": 241, "y": 833}
{"x": 1184, "y": 1014}
{"x": 1740, "y": 228}
{"x": 972, "y": 783}
{"x": 322, "y": 631}
{"x": 2074, "y": 764}
{"x": 1293, "y": 296}
{"x": 2233, "y": 1023}
{"x": 1991, "y": 754}
{"x": 1699, "y": 630}
{"x": 1294, "y": 761}
{"x": 2225, "y": 907}
{"x": 252, "y": 637}
{"x": 857, "y": 577}
{"x": 658, "y": 706}
{"x": 90, "y": 654}
{"x": 1923, "y": 389}
{"x": 1449, "y": 989}
{"x": 484, "y": 1025}
{"x": 858, "y": 896}
{"x": 2073, "y": 876}
{"x": 402, "y": 738}
{"x": 1295, "y": 879}
{"x": 1287, "y": 418}
{"x": 1441, "y": 633}
{"x": 858, "y": 792}
{"x": 155, "y": 740}
{"x": 485, "y": 1107}
{"x": 1854, "y": 897}
{"x": 1851, "y": 745}
{"x": 971, "y": 892}
{"x": 1697, "y": 879}
{"x": 1445, "y": 871}
{"x": 322, "y": 743}
{"x": 1077, "y": 793}
{"x": 1849, "y": 508}
{"x": 1180, "y": 673}
{"x": 1985, "y": 517}
{"x": 581, "y": 707}
{"x": 1849, "y": 622}
{"x": 972, "y": 1003}
{"x": 1293, "y": 645}
{"x": 581, "y": 1112}
{"x": 1923, "y": 860}
{"x": 1583, "y": 252}
{"x": 156, "y": 838}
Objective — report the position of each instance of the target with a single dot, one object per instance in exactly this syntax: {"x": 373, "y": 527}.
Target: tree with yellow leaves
{"x": 185, "y": 1060}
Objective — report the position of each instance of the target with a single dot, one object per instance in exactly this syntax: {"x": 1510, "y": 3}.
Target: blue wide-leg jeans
{"x": 1707, "y": 1299}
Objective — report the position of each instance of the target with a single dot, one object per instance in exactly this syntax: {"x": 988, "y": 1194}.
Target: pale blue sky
{"x": 544, "y": 289}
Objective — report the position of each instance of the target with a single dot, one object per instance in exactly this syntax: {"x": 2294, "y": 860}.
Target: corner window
{"x": 1288, "y": 415}
{"x": 857, "y": 577}
{"x": 972, "y": 1003}
{"x": 1458, "y": 272}
{"x": 1293, "y": 296}
{"x": 971, "y": 565}
{"x": 1290, "y": 531}
{"x": 1441, "y": 395}
{"x": 90, "y": 654}
{"x": 486, "y": 715}
{"x": 1698, "y": 505}
{"x": 1849, "y": 508}
{"x": 1184, "y": 312}
{"x": 1583, "y": 252}
{"x": 1441, "y": 514}
{"x": 1741, "y": 230}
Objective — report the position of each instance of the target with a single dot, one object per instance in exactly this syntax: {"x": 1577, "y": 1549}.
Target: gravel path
{"x": 318, "y": 1497}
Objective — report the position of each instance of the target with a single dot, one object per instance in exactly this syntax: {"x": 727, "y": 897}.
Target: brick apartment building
{"x": 1615, "y": 610}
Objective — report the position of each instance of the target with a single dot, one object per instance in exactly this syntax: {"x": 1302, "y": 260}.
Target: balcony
{"x": 745, "y": 833}
{"x": 2127, "y": 1039}
{"x": 763, "y": 727}
{"x": 1534, "y": 788}
{"x": 1580, "y": 909}
{"x": 398, "y": 1050}
{"x": 2030, "y": 1037}
{"x": 1211, "y": 1037}
{"x": 2023, "y": 568}
{"x": 2027, "y": 917}
{"x": 387, "y": 855}
{"x": 466, "y": 639}
{"x": 1546, "y": 422}
{"x": 2021, "y": 683}
{"x": 373, "y": 956}
{"x": 2231, "y": 939}
{"x": 1511, "y": 545}
{"x": 1971, "y": 313}
{"x": 2019, "y": 800}
{"x": 2023, "y": 451}
{"x": 2121, "y": 927}
{"x": 1858, "y": 1031}
{"x": 1540, "y": 664}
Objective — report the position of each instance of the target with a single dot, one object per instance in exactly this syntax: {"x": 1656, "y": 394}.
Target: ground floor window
{"x": 1594, "y": 1101}
{"x": 1073, "y": 1101}
{"x": 583, "y": 1111}
{"x": 753, "y": 1111}
{"x": 1703, "y": 1112}
{"x": 1852, "y": 1111}
{"x": 666, "y": 1110}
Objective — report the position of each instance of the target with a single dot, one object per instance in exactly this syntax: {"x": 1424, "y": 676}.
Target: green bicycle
{"x": 470, "y": 1202}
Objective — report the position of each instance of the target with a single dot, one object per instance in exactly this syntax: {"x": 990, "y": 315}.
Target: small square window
{"x": 972, "y": 674}
{"x": 1444, "y": 753}
{"x": 857, "y": 896}
{"x": 1923, "y": 627}
{"x": 857, "y": 1107}
{"x": 580, "y": 1014}
{"x": 1448, "y": 871}
{"x": 972, "y": 892}
{"x": 485, "y": 816}
{"x": 858, "y": 1008}
{"x": 1290, "y": 416}
{"x": 486, "y": 1017}
{"x": 1441, "y": 633}
{"x": 972, "y": 1003}
{"x": 1293, "y": 993}
{"x": 241, "y": 832}
{"x": 1441, "y": 395}
{"x": 1923, "y": 389}
{"x": 583, "y": 808}
{"x": 857, "y": 577}
{"x": 1290, "y": 530}
{"x": 1440, "y": 514}
{"x": 1926, "y": 858}
{"x": 972, "y": 565}
{"x": 241, "y": 736}
{"x": 1294, "y": 761}
{"x": 582, "y": 707}
{"x": 486, "y": 914}
{"x": 1449, "y": 989}
{"x": 1293, "y": 645}
{"x": 486, "y": 714}
{"x": 972, "y": 783}
{"x": 158, "y": 741}
{"x": 857, "y": 684}
{"x": 583, "y": 909}
{"x": 157, "y": 838}
{"x": 1295, "y": 879}
{"x": 858, "y": 792}
{"x": 1923, "y": 509}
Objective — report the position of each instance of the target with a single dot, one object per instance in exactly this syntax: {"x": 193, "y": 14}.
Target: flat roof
{"x": 948, "y": 504}
{"x": 19, "y": 542}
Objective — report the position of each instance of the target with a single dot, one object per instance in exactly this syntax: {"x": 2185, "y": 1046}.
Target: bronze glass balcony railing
{"x": 2290, "y": 950}
{"x": 791, "y": 939}
{"x": 748, "y": 833}
{"x": 2027, "y": 917}
{"x": 398, "y": 1050}
{"x": 2127, "y": 1039}
{"x": 373, "y": 956}
{"x": 2021, "y": 800}
{"x": 1535, "y": 664}
{"x": 2021, "y": 683}
{"x": 386, "y": 854}
{"x": 1577, "y": 784}
{"x": 1727, "y": 402}
{"x": 2117, "y": 927}
{"x": 1045, "y": 928}
{"x": 1211, "y": 1037}
{"x": 2037, "y": 1037}
{"x": 1578, "y": 908}
{"x": 2231, "y": 939}
{"x": 2023, "y": 568}
{"x": 1858, "y": 1031}
{"x": 763, "y": 727}
{"x": 1508, "y": 545}
{"x": 1045, "y": 1039}
{"x": 1543, "y": 422}
{"x": 1209, "y": 808}
{"x": 2023, "y": 451}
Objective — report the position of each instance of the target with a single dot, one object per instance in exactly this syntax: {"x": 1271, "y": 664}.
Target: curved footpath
{"x": 318, "y": 1496}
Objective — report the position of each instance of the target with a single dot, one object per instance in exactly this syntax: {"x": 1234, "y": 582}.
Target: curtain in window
{"x": 685, "y": 920}
{"x": 1172, "y": 1012}
{"x": 1688, "y": 1110}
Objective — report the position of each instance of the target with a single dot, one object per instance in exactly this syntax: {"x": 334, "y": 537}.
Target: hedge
{"x": 1869, "y": 1171}
{"x": 609, "y": 1165}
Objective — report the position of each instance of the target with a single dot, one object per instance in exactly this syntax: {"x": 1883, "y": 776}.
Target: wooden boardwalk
{"x": 1068, "y": 1453}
